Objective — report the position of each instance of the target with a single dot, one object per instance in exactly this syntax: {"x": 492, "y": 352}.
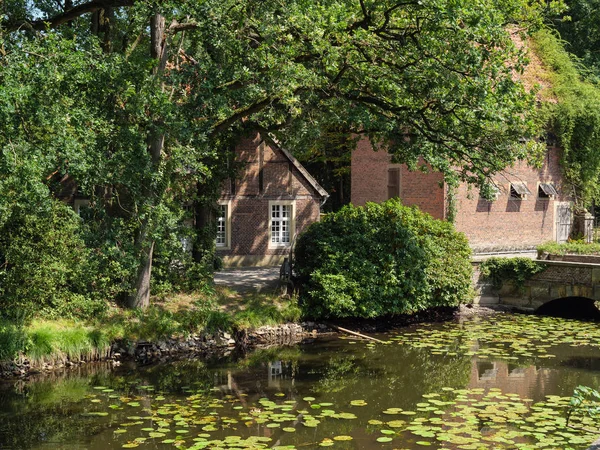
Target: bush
{"x": 45, "y": 267}
{"x": 381, "y": 259}
{"x": 571, "y": 247}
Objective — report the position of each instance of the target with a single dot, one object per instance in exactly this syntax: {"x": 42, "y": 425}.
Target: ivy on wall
{"x": 571, "y": 110}
{"x": 515, "y": 270}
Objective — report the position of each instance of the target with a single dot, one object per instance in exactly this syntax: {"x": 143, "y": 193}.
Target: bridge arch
{"x": 572, "y": 307}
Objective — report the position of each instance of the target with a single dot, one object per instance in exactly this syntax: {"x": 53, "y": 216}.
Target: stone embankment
{"x": 193, "y": 346}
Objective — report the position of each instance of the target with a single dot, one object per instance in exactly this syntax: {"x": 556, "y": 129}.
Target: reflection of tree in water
{"x": 38, "y": 412}
{"x": 391, "y": 375}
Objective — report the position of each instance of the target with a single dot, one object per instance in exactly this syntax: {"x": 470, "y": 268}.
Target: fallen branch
{"x": 344, "y": 330}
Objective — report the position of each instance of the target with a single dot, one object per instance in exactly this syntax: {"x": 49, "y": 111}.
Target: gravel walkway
{"x": 249, "y": 279}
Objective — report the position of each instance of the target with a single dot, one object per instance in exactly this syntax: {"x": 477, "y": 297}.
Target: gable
{"x": 270, "y": 170}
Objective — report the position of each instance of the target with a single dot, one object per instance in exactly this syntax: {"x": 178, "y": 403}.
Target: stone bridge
{"x": 574, "y": 282}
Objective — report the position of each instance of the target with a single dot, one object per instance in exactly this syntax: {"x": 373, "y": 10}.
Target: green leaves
{"x": 381, "y": 259}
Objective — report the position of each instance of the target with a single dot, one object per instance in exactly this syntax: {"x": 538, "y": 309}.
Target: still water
{"x": 497, "y": 382}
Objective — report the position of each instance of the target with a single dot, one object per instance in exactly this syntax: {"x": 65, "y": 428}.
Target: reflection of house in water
{"x": 274, "y": 373}
{"x": 527, "y": 381}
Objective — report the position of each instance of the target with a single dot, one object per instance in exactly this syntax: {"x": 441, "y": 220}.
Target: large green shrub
{"x": 381, "y": 259}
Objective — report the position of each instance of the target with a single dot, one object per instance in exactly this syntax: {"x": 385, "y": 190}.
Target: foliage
{"x": 516, "y": 270}
{"x": 584, "y": 401}
{"x": 579, "y": 26}
{"x": 328, "y": 159}
{"x": 144, "y": 130}
{"x": 574, "y": 117}
{"x": 46, "y": 268}
{"x": 381, "y": 259}
{"x": 572, "y": 247}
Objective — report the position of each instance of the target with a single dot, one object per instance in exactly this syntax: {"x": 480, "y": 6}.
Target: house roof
{"x": 307, "y": 176}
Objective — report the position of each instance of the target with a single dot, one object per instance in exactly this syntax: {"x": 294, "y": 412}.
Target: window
{"x": 79, "y": 204}
{"x": 393, "y": 182}
{"x": 223, "y": 225}
{"x": 489, "y": 192}
{"x": 547, "y": 190}
{"x": 519, "y": 191}
{"x": 281, "y": 223}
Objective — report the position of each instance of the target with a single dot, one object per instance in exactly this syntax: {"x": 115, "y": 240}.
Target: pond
{"x": 498, "y": 382}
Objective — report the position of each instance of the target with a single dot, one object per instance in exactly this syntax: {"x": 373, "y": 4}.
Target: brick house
{"x": 530, "y": 208}
{"x": 272, "y": 200}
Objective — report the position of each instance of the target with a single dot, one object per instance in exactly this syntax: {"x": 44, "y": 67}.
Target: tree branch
{"x": 239, "y": 114}
{"x": 72, "y": 14}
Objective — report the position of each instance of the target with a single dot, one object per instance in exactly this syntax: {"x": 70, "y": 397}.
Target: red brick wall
{"x": 505, "y": 224}
{"x": 508, "y": 223}
{"x": 250, "y": 207}
{"x": 369, "y": 180}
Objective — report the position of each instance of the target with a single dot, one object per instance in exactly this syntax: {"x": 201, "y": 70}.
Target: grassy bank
{"x": 45, "y": 340}
{"x": 571, "y": 247}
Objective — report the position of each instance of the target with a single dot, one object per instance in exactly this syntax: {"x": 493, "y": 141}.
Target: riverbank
{"x": 216, "y": 343}
{"x": 196, "y": 323}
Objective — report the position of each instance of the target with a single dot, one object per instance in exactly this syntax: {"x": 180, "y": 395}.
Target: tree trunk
{"x": 156, "y": 142}
{"x": 141, "y": 297}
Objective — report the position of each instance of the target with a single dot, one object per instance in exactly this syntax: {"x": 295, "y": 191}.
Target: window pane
{"x": 275, "y": 231}
{"x": 222, "y": 226}
{"x": 275, "y": 211}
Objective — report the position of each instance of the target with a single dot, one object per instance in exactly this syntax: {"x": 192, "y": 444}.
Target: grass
{"x": 571, "y": 247}
{"x": 253, "y": 310}
{"x": 177, "y": 316}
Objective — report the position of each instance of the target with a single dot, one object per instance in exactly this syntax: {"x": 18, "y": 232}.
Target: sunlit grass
{"x": 178, "y": 316}
{"x": 62, "y": 340}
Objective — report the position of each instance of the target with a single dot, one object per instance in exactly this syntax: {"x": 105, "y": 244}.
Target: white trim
{"x": 227, "y": 223}
{"x": 290, "y": 221}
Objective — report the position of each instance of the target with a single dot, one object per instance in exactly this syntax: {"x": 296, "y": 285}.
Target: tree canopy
{"x": 139, "y": 103}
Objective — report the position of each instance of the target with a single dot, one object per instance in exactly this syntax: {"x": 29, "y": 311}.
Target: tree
{"x": 143, "y": 99}
{"x": 580, "y": 28}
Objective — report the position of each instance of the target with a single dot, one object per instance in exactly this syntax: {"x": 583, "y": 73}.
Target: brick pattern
{"x": 505, "y": 224}
{"x": 250, "y": 206}
{"x": 509, "y": 223}
{"x": 565, "y": 275}
{"x": 369, "y": 181}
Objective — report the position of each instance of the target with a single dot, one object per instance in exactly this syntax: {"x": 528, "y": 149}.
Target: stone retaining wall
{"x": 193, "y": 346}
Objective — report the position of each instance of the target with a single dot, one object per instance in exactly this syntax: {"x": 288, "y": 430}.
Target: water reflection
{"x": 51, "y": 412}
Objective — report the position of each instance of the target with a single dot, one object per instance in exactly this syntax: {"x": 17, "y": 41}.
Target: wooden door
{"x": 564, "y": 221}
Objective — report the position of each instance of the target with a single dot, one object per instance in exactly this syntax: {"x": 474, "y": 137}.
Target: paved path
{"x": 266, "y": 279}
{"x": 249, "y": 279}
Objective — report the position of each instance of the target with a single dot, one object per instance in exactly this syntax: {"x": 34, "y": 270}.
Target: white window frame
{"x": 227, "y": 223}
{"x": 291, "y": 221}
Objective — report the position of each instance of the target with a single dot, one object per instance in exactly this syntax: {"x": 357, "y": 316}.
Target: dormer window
{"x": 547, "y": 191}
{"x": 519, "y": 191}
